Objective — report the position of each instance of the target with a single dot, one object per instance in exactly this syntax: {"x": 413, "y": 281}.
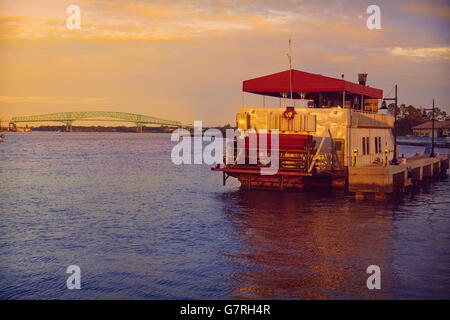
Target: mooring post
{"x": 405, "y": 178}
{"x": 68, "y": 127}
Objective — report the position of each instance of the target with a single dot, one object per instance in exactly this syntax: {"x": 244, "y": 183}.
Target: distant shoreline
{"x": 443, "y": 142}
{"x": 162, "y": 129}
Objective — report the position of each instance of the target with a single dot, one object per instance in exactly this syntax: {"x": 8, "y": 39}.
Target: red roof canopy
{"x": 276, "y": 83}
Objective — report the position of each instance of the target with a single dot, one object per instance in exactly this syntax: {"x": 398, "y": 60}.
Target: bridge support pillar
{"x": 139, "y": 127}
{"x": 12, "y": 126}
{"x": 68, "y": 125}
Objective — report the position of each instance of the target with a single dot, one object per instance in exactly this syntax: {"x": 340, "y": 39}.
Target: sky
{"x": 186, "y": 60}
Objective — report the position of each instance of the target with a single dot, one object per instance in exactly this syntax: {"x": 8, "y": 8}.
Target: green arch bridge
{"x": 69, "y": 117}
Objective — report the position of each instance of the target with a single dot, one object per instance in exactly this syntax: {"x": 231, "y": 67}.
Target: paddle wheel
{"x": 295, "y": 156}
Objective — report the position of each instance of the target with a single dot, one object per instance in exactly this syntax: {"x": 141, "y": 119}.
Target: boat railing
{"x": 296, "y": 159}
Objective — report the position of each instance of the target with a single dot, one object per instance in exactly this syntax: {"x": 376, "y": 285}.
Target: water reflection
{"x": 142, "y": 228}
{"x": 306, "y": 245}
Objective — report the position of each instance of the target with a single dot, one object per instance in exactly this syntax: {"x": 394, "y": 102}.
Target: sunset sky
{"x": 186, "y": 60}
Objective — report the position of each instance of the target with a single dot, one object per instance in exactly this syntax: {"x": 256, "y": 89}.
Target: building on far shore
{"x": 441, "y": 129}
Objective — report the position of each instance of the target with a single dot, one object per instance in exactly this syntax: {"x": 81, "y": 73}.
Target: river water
{"x": 140, "y": 227}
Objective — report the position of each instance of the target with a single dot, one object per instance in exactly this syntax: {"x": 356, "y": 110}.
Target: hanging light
{"x": 383, "y": 109}
{"x": 424, "y": 115}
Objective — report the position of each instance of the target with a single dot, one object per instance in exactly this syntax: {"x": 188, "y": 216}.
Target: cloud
{"x": 8, "y": 99}
{"x": 132, "y": 20}
{"x": 425, "y": 53}
{"x": 430, "y": 10}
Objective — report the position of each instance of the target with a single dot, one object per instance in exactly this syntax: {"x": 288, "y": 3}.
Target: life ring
{"x": 289, "y": 114}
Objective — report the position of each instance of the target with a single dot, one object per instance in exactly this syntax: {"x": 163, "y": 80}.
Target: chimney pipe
{"x": 362, "y": 78}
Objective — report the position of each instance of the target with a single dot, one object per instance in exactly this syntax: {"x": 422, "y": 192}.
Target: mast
{"x": 394, "y": 160}
{"x": 290, "y": 71}
{"x": 432, "y": 134}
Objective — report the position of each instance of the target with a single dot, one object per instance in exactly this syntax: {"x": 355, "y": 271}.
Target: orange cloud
{"x": 427, "y": 53}
{"x": 121, "y": 20}
{"x": 73, "y": 100}
{"x": 430, "y": 10}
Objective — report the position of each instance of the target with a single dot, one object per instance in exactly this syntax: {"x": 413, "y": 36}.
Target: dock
{"x": 380, "y": 181}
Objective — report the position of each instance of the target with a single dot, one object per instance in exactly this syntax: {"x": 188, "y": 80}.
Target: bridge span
{"x": 68, "y": 118}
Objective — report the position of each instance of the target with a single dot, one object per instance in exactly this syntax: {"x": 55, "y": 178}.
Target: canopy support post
{"x": 362, "y": 103}
{"x": 302, "y": 98}
{"x": 343, "y": 99}
{"x": 284, "y": 95}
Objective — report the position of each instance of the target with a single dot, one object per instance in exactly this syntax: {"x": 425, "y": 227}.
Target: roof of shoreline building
{"x": 437, "y": 125}
{"x": 277, "y": 83}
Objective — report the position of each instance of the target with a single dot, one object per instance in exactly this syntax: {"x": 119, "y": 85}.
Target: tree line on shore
{"x": 62, "y": 128}
{"x": 410, "y": 116}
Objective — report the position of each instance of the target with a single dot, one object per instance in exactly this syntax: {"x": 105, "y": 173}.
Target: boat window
{"x": 368, "y": 145}
{"x": 376, "y": 145}
{"x": 364, "y": 145}
{"x": 379, "y": 144}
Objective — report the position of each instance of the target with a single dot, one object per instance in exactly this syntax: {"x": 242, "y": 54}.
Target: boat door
{"x": 338, "y": 154}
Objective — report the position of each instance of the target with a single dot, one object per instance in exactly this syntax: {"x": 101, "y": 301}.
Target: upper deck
{"x": 322, "y": 100}
{"x": 311, "y": 120}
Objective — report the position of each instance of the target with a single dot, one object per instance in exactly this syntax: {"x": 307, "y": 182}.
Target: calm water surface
{"x": 140, "y": 227}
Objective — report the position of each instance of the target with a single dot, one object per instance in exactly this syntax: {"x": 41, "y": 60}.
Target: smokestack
{"x": 362, "y": 78}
